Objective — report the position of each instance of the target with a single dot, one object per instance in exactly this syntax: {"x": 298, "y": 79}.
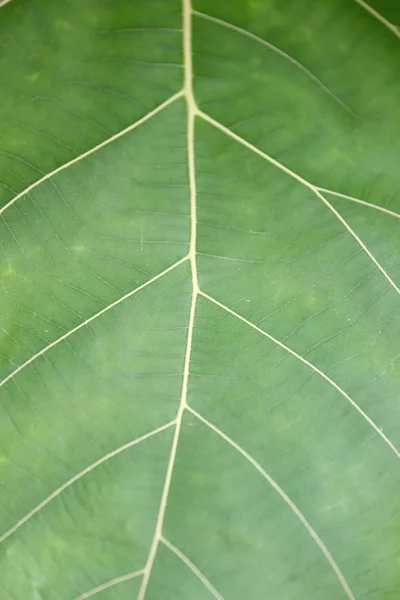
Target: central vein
{"x": 191, "y": 113}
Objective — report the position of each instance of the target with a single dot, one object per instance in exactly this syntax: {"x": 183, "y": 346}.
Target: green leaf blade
{"x": 69, "y": 82}
{"x": 199, "y": 291}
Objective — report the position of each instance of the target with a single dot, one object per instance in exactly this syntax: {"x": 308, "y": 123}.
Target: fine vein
{"x": 92, "y": 150}
{"x": 79, "y": 475}
{"x": 310, "y": 365}
{"x": 89, "y": 320}
{"x": 191, "y": 111}
{"x": 281, "y": 53}
{"x": 108, "y": 584}
{"x": 207, "y": 584}
{"x": 285, "y": 497}
{"x": 312, "y": 187}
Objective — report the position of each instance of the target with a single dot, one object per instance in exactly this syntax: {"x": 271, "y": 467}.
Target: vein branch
{"x": 108, "y": 584}
{"x": 300, "y": 179}
{"x": 89, "y": 320}
{"x": 392, "y": 213}
{"x": 192, "y": 567}
{"x": 286, "y": 499}
{"x": 311, "y": 366}
{"x": 81, "y": 474}
{"x": 92, "y": 150}
{"x": 357, "y": 238}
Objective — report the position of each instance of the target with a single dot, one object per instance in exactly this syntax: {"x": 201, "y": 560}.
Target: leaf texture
{"x": 199, "y": 291}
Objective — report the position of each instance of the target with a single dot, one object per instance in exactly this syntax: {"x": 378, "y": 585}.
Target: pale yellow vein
{"x": 191, "y": 111}
{"x": 206, "y": 582}
{"x": 284, "y": 497}
{"x": 108, "y": 584}
{"x": 310, "y": 365}
{"x": 94, "y": 149}
{"x": 79, "y": 475}
{"x": 89, "y": 320}
{"x": 359, "y": 201}
{"x": 312, "y": 187}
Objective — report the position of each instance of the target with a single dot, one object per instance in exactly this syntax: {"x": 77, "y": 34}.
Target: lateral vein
{"x": 286, "y": 499}
{"x": 206, "y": 582}
{"x": 358, "y": 239}
{"x": 108, "y": 584}
{"x": 359, "y": 201}
{"x": 92, "y": 150}
{"x": 90, "y": 319}
{"x": 312, "y": 187}
{"x": 79, "y": 475}
{"x": 310, "y": 365}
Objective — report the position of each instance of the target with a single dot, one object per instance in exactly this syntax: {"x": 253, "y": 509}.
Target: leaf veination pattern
{"x": 71, "y": 481}
{"x": 193, "y": 112}
{"x": 278, "y": 51}
{"x": 109, "y": 584}
{"x": 315, "y": 189}
{"x": 192, "y": 567}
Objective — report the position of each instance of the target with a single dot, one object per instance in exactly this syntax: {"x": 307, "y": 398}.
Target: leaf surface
{"x": 199, "y": 291}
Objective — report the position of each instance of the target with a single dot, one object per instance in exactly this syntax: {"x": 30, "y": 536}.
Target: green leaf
{"x": 199, "y": 292}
